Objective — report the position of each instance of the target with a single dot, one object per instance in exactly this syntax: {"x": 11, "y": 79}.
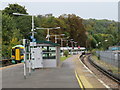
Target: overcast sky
{"x": 97, "y": 10}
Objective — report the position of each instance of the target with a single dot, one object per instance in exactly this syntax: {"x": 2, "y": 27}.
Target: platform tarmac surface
{"x": 61, "y": 77}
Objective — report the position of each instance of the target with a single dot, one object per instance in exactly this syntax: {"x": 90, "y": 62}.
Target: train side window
{"x": 22, "y": 52}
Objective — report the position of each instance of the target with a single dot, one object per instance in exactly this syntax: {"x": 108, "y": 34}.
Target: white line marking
{"x": 94, "y": 75}
{"x": 104, "y": 84}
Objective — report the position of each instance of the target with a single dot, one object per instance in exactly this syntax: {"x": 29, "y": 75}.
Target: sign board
{"x": 33, "y": 39}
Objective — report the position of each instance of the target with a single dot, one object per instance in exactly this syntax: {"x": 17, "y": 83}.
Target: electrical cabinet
{"x": 36, "y": 58}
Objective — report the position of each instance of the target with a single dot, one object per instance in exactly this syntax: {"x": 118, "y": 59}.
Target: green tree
{"x": 75, "y": 28}
{"x": 14, "y": 8}
{"x": 102, "y": 30}
{"x": 9, "y": 32}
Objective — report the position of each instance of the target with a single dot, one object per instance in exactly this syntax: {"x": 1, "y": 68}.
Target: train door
{"x": 17, "y": 54}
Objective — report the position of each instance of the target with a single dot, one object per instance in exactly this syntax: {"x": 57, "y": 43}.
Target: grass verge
{"x": 64, "y": 58}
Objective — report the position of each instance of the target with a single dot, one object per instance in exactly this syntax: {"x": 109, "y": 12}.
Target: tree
{"x": 102, "y": 30}
{"x": 75, "y": 28}
{"x": 9, "y": 32}
{"x": 14, "y": 8}
{"x": 8, "y": 26}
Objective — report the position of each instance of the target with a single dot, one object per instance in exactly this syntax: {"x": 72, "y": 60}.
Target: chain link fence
{"x": 111, "y": 57}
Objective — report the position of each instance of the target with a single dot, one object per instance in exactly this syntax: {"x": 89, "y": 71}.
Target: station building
{"x": 45, "y": 54}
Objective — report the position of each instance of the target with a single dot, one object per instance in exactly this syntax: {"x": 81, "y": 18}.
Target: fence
{"x": 111, "y": 57}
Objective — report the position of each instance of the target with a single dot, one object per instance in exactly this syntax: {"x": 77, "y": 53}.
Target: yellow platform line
{"x": 85, "y": 82}
{"x": 79, "y": 81}
{"x": 10, "y": 66}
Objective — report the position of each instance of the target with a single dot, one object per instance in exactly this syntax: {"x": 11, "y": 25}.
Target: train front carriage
{"x": 17, "y": 54}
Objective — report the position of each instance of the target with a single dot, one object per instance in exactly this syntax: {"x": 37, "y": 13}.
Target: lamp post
{"x": 67, "y": 43}
{"x": 48, "y": 32}
{"x": 105, "y": 44}
{"x": 61, "y": 42}
{"x": 56, "y": 37}
{"x": 106, "y": 40}
{"x": 102, "y": 43}
{"x": 75, "y": 44}
{"x": 71, "y": 40}
{"x": 76, "y": 51}
{"x": 32, "y": 30}
{"x": 98, "y": 44}
{"x": 62, "y": 39}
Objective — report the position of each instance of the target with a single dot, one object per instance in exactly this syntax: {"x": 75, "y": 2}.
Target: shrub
{"x": 66, "y": 52}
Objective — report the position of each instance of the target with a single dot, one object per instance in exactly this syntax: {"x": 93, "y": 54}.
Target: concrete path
{"x": 61, "y": 77}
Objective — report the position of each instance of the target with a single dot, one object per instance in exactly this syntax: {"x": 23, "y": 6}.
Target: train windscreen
{"x": 13, "y": 52}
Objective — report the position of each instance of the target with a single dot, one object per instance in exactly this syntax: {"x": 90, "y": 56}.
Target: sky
{"x": 86, "y": 10}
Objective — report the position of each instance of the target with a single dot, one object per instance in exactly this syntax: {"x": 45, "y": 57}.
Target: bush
{"x": 93, "y": 51}
{"x": 66, "y": 52}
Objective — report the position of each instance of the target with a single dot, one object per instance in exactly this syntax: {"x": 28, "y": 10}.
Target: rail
{"x": 104, "y": 71}
{"x": 6, "y": 62}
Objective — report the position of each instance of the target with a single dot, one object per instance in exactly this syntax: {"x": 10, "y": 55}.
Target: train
{"x": 114, "y": 48}
{"x": 17, "y": 54}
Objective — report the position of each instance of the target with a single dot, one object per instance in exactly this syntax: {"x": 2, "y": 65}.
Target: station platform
{"x": 71, "y": 74}
{"x": 85, "y": 76}
{"x": 61, "y": 77}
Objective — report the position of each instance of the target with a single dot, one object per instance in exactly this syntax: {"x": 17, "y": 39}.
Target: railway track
{"x": 107, "y": 73}
{"x": 112, "y": 78}
{"x": 6, "y": 62}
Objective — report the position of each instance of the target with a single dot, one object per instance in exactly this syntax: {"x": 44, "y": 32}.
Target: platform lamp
{"x": 32, "y": 30}
{"x": 56, "y": 37}
{"x": 71, "y": 40}
{"x": 48, "y": 32}
{"x": 75, "y": 44}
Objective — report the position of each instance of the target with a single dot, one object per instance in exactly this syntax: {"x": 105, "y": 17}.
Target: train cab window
{"x": 13, "y": 52}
